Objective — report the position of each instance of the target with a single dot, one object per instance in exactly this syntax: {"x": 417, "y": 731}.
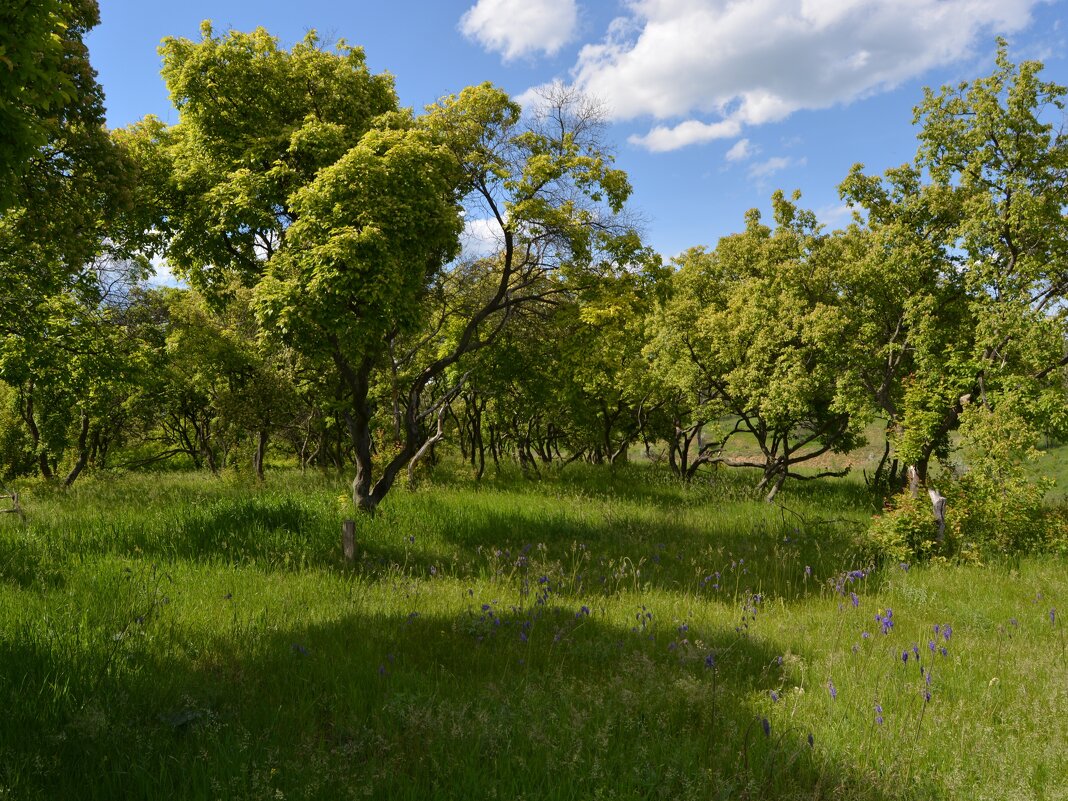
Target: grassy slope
{"x": 179, "y": 636}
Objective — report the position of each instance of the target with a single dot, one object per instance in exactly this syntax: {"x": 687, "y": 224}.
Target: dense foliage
{"x": 337, "y": 310}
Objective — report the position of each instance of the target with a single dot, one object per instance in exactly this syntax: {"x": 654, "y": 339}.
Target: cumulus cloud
{"x": 721, "y": 65}
{"x": 516, "y": 28}
{"x": 742, "y": 150}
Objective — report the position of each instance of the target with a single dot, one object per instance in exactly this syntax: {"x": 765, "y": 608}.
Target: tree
{"x": 45, "y": 79}
{"x": 760, "y": 327}
{"x": 979, "y": 253}
{"x": 344, "y": 213}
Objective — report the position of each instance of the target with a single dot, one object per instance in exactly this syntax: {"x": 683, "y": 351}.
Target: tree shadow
{"x": 543, "y": 700}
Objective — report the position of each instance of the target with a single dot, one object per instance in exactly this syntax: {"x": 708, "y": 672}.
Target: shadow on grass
{"x": 595, "y": 544}
{"x": 550, "y": 703}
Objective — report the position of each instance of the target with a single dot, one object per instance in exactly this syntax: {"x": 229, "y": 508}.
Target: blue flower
{"x": 832, "y": 690}
{"x": 767, "y": 726}
{"x": 878, "y": 714}
{"x": 774, "y": 696}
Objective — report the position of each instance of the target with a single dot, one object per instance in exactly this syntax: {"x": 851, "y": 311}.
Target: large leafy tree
{"x": 294, "y": 171}
{"x": 65, "y": 186}
{"x": 972, "y": 262}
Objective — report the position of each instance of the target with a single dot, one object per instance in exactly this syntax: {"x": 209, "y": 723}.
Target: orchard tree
{"x": 295, "y": 171}
{"x": 975, "y": 260}
{"x": 759, "y": 324}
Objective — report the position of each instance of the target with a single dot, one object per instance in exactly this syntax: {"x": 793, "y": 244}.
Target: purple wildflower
{"x": 811, "y": 742}
{"x": 832, "y": 690}
{"x": 886, "y": 621}
{"x": 947, "y": 632}
{"x": 767, "y": 726}
{"x": 710, "y": 661}
{"x": 916, "y": 651}
{"x": 905, "y": 657}
{"x": 931, "y": 646}
{"x": 878, "y": 714}
{"x": 856, "y": 601}
{"x": 774, "y": 696}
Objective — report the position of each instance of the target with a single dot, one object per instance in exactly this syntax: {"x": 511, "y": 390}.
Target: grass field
{"x": 594, "y": 634}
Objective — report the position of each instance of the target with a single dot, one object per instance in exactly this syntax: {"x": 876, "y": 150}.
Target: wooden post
{"x": 348, "y": 540}
{"x": 938, "y": 505}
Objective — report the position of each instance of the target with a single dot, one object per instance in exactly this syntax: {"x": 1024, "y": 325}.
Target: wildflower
{"x": 864, "y": 635}
{"x": 947, "y": 632}
{"x": 937, "y": 629}
{"x": 583, "y": 612}
{"x": 931, "y": 646}
{"x": 856, "y": 601}
{"x": 905, "y": 657}
{"x": 878, "y": 714}
{"x": 832, "y": 690}
{"x": 943, "y": 651}
{"x": 774, "y": 697}
{"x": 886, "y": 621}
{"x": 710, "y": 660}
{"x": 811, "y": 743}
{"x": 916, "y": 651}
{"x": 767, "y": 726}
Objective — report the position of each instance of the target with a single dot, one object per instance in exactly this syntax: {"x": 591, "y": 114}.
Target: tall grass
{"x": 593, "y": 634}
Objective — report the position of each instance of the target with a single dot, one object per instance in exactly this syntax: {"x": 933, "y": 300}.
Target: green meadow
{"x": 595, "y": 633}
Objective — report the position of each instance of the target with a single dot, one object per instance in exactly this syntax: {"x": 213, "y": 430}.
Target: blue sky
{"x": 713, "y": 103}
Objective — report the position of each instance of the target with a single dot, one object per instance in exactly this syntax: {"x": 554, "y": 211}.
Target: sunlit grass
{"x": 590, "y": 634}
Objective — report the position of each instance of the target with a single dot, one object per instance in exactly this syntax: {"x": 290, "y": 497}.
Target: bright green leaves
{"x": 257, "y": 123}
{"x": 371, "y": 230}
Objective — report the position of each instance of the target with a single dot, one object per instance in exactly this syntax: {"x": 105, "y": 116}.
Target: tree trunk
{"x": 260, "y": 453}
{"x": 83, "y": 452}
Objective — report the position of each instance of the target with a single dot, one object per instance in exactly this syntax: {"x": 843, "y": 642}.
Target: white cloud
{"x": 482, "y": 237}
{"x": 742, "y": 150}
{"x": 723, "y": 63}
{"x": 162, "y": 275}
{"x": 691, "y": 132}
{"x": 765, "y": 169}
{"x": 834, "y": 215}
{"x": 516, "y": 28}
